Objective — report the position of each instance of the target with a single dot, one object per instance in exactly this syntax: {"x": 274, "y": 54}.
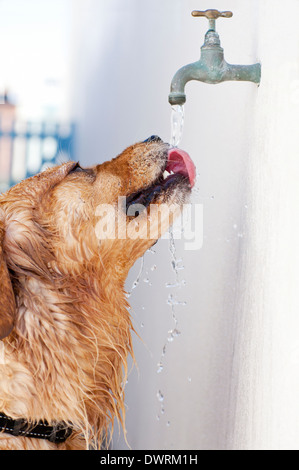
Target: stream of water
{"x": 177, "y": 124}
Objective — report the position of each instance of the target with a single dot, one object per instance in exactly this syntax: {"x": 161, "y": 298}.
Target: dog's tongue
{"x": 180, "y": 162}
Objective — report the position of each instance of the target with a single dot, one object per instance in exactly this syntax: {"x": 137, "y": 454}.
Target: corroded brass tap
{"x": 212, "y": 67}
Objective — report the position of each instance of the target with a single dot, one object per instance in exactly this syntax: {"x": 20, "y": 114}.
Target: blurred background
{"x": 83, "y": 79}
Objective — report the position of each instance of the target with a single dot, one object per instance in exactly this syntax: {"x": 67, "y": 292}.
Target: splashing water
{"x": 172, "y": 301}
{"x": 137, "y": 280}
{"x": 177, "y": 124}
{"x": 160, "y": 397}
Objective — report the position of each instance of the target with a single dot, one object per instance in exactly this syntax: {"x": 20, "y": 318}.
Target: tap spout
{"x": 214, "y": 74}
{"x": 184, "y": 75}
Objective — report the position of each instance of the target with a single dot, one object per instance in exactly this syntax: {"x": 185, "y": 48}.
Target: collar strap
{"x": 39, "y": 430}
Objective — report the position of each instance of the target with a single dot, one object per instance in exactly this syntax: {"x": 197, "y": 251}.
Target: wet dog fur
{"x": 65, "y": 329}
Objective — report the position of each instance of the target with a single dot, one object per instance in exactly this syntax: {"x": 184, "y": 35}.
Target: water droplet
{"x": 136, "y": 282}
{"x": 189, "y": 379}
{"x": 160, "y": 368}
{"x": 142, "y": 325}
{"x": 168, "y": 424}
{"x": 173, "y": 334}
{"x": 153, "y": 267}
{"x": 177, "y": 264}
{"x": 160, "y": 396}
{"x": 173, "y": 301}
{"x": 172, "y": 285}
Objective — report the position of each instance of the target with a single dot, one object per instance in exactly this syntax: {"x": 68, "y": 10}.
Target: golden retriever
{"x": 65, "y": 330}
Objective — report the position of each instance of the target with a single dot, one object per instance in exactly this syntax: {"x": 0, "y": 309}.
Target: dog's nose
{"x": 153, "y": 138}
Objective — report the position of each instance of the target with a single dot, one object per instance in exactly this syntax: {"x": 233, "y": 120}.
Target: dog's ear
{"x": 41, "y": 183}
{"x": 35, "y": 186}
{"x": 7, "y": 298}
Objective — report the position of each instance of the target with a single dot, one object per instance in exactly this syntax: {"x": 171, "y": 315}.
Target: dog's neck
{"x": 64, "y": 360}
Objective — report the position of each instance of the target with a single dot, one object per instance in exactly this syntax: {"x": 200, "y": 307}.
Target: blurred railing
{"x": 26, "y": 148}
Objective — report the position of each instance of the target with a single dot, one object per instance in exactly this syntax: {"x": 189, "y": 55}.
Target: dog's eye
{"x": 86, "y": 171}
{"x": 77, "y": 169}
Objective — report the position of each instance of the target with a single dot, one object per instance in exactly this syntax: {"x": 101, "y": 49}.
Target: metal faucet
{"x": 212, "y": 67}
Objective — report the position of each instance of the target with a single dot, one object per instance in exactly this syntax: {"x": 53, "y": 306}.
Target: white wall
{"x": 217, "y": 388}
{"x": 265, "y": 380}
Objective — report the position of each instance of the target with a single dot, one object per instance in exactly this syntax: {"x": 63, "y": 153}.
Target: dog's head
{"x": 64, "y": 218}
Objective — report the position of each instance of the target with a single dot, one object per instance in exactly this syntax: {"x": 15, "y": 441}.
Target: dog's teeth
{"x": 166, "y": 174}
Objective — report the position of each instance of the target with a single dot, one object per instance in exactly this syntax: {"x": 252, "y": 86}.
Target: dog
{"x": 65, "y": 329}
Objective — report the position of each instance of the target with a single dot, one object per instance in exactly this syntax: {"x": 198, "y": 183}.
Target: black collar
{"x": 39, "y": 430}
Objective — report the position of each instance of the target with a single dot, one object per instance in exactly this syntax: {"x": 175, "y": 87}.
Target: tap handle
{"x": 212, "y": 14}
